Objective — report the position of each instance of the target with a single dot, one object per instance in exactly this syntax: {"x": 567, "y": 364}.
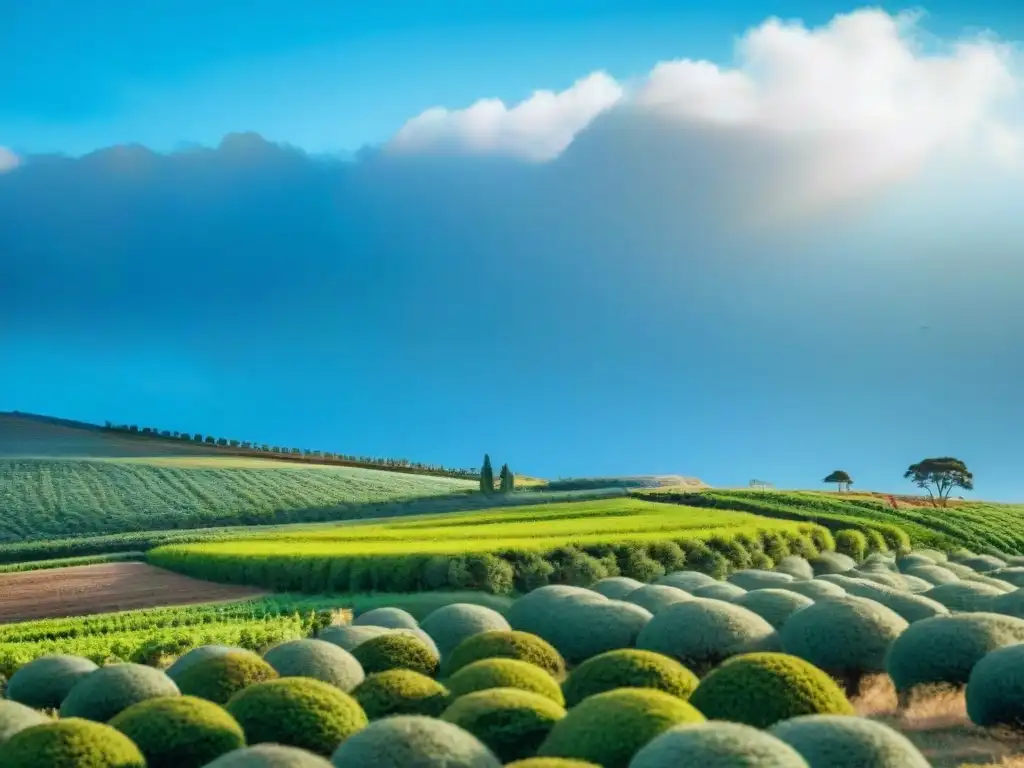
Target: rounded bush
{"x": 392, "y": 618}
{"x": 847, "y": 637}
{"x": 401, "y": 692}
{"x": 15, "y": 717}
{"x": 1002, "y": 586}
{"x": 511, "y": 722}
{"x": 774, "y": 605}
{"x": 411, "y": 741}
{"x": 609, "y": 728}
{"x": 616, "y": 587}
{"x": 910, "y": 606}
{"x": 914, "y": 584}
{"x": 654, "y": 597}
{"x": 754, "y": 579}
{"x": 348, "y": 636}
{"x": 964, "y": 595}
{"x": 933, "y": 574}
{"x": 702, "y": 633}
{"x": 830, "y": 741}
{"x": 396, "y": 651}
{"x": 218, "y": 677}
{"x": 270, "y": 756}
{"x": 797, "y": 567}
{"x": 317, "y": 659}
{"x": 832, "y": 562}
{"x": 982, "y": 563}
{"x": 450, "y": 625}
{"x": 71, "y": 743}
{"x": 540, "y": 611}
{"x": 109, "y": 690}
{"x": 585, "y": 629}
{"x": 940, "y": 558}
{"x": 913, "y": 560}
{"x": 45, "y": 682}
{"x": 882, "y": 578}
{"x": 723, "y": 590}
{"x": 853, "y": 544}
{"x": 761, "y": 689}
{"x": 1013, "y": 575}
{"x": 504, "y": 673}
{"x": 179, "y": 731}
{"x": 510, "y": 644}
{"x": 297, "y": 712}
{"x": 203, "y": 652}
{"x": 995, "y": 688}
{"x": 686, "y": 580}
{"x": 551, "y": 762}
{"x": 628, "y": 668}
{"x": 816, "y": 589}
{"x": 717, "y": 745}
{"x": 946, "y": 648}
{"x": 963, "y": 571}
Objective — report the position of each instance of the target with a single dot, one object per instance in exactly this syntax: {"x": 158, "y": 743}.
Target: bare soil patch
{"x": 104, "y": 588}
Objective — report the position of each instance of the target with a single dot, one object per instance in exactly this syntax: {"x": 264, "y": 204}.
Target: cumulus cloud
{"x": 8, "y": 160}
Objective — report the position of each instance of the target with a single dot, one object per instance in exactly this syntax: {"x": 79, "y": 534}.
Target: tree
{"x": 487, "y": 476}
{"x": 505, "y": 481}
{"x": 840, "y": 477}
{"x": 943, "y": 474}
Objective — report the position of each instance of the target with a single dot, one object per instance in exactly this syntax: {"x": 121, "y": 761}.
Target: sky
{"x": 586, "y": 237}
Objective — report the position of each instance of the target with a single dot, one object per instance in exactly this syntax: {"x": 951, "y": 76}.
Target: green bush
{"x": 578, "y": 568}
{"x": 853, "y": 544}
{"x": 391, "y": 618}
{"x": 584, "y": 629}
{"x": 510, "y": 644}
{"x": 396, "y": 651}
{"x": 401, "y": 692}
{"x": 933, "y": 574}
{"x": 755, "y": 579}
{"x": 686, "y": 580}
{"x": 832, "y": 562}
{"x": 628, "y": 668}
{"x": 45, "y": 682}
{"x": 616, "y": 587}
{"x": 348, "y": 636}
{"x": 609, "y": 728}
{"x": 1002, "y": 586}
{"x": 194, "y": 656}
{"x": 702, "y": 633}
{"x": 179, "y": 731}
{"x": 876, "y": 541}
{"x": 982, "y": 563}
{"x": 15, "y": 717}
{"x": 797, "y": 567}
{"x": 848, "y": 637}
{"x": 761, "y": 689}
{"x": 995, "y": 688}
{"x": 71, "y": 743}
{"x": 538, "y": 611}
{"x": 717, "y": 745}
{"x": 218, "y": 677}
{"x": 944, "y": 650}
{"x": 1013, "y": 575}
{"x": 511, "y": 722}
{"x": 270, "y": 756}
{"x": 937, "y": 557}
{"x": 551, "y": 762}
{"x": 723, "y": 590}
{"x": 450, "y": 625}
{"x": 654, "y": 597}
{"x": 831, "y": 741}
{"x": 773, "y": 605}
{"x": 297, "y": 712}
{"x": 816, "y": 589}
{"x": 964, "y": 595}
{"x": 915, "y": 584}
{"x": 911, "y": 607}
{"x": 411, "y": 741}
{"x": 317, "y": 659}
{"x": 504, "y": 673}
{"x": 914, "y": 560}
{"x": 882, "y": 578}
{"x": 104, "y": 693}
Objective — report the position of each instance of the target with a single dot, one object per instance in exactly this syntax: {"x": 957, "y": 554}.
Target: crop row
{"x": 69, "y": 562}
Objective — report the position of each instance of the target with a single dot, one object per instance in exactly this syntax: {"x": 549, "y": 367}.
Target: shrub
{"x": 401, "y": 692}
{"x": 504, "y": 673}
{"x": 937, "y": 557}
{"x": 45, "y": 682}
{"x": 882, "y": 578}
{"x": 511, "y": 722}
{"x": 509, "y": 644}
{"x": 1002, "y": 586}
{"x": 964, "y": 595}
{"x": 875, "y": 541}
{"x": 177, "y": 669}
{"x": 933, "y": 574}
{"x": 761, "y": 689}
{"x": 945, "y": 649}
{"x": 530, "y": 571}
{"x": 702, "y": 633}
{"x": 179, "y": 731}
{"x": 270, "y": 756}
{"x": 1013, "y": 575}
{"x": 654, "y": 597}
{"x": 914, "y": 584}
{"x": 104, "y": 693}
{"x": 71, "y": 743}
{"x": 450, "y": 625}
{"x": 830, "y": 741}
{"x": 584, "y": 629}
{"x": 297, "y": 712}
{"x": 847, "y": 637}
{"x": 219, "y": 677}
{"x": 480, "y": 572}
{"x": 774, "y": 605}
{"x": 551, "y": 762}
{"x": 669, "y": 554}
{"x": 911, "y": 607}
{"x": 15, "y": 717}
{"x": 721, "y": 591}
{"x": 616, "y": 587}
{"x": 405, "y": 741}
{"x": 392, "y": 618}
{"x": 717, "y": 745}
{"x": 816, "y": 590}
{"x": 982, "y": 563}
{"x": 609, "y": 728}
{"x": 796, "y": 566}
{"x": 754, "y": 579}
{"x": 914, "y": 560}
{"x": 628, "y": 668}
{"x": 686, "y": 580}
{"x": 578, "y": 568}
{"x": 349, "y": 636}
{"x": 317, "y": 659}
{"x": 853, "y": 544}
{"x": 540, "y": 610}
{"x": 995, "y": 688}
{"x": 832, "y": 562}
{"x": 396, "y": 651}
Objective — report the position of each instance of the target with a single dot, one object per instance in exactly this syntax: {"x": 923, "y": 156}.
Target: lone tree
{"x": 506, "y": 480}
{"x": 487, "y": 476}
{"x": 840, "y": 477}
{"x": 943, "y": 474}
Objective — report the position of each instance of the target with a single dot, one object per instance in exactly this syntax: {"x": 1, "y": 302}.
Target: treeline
{"x": 250, "y": 447}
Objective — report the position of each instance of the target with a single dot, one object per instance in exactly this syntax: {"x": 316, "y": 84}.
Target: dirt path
{"x": 89, "y": 589}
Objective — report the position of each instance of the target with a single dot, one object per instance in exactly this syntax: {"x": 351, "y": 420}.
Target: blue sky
{"x": 727, "y": 273}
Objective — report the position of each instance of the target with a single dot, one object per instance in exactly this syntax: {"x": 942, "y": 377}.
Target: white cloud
{"x": 8, "y": 160}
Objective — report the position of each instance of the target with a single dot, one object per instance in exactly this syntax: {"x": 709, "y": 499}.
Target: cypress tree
{"x": 503, "y": 477}
{"x": 511, "y": 479}
{"x": 487, "y": 476}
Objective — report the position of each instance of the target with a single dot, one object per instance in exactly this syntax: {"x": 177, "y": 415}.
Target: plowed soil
{"x": 103, "y": 588}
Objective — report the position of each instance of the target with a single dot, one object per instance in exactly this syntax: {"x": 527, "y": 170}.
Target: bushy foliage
{"x": 853, "y": 544}
{"x": 914, "y": 560}
{"x": 702, "y": 633}
{"x": 317, "y": 659}
{"x": 910, "y": 606}
{"x": 194, "y": 656}
{"x": 816, "y": 589}
{"x": 1012, "y": 575}
{"x": 946, "y": 648}
{"x": 15, "y": 717}
{"x": 982, "y": 563}
{"x": 451, "y": 624}
{"x": 401, "y": 692}
{"x": 218, "y": 677}
{"x": 995, "y": 688}
{"x": 179, "y": 731}
{"x": 391, "y": 618}
{"x": 297, "y": 712}
{"x": 964, "y": 595}
{"x": 616, "y": 587}
{"x": 71, "y": 743}
{"x": 723, "y": 590}
{"x": 761, "y": 689}
{"x": 796, "y": 566}
{"x": 686, "y": 580}
{"x": 880, "y": 577}
{"x": 610, "y": 728}
{"x": 270, "y": 756}
{"x": 45, "y": 682}
{"x": 348, "y": 636}
{"x": 654, "y": 597}
{"x": 933, "y": 574}
{"x": 628, "y": 668}
{"x": 754, "y": 579}
{"x": 504, "y": 673}
{"x": 717, "y": 745}
{"x": 580, "y": 629}
{"x": 511, "y": 722}
{"x": 405, "y": 741}
{"x": 104, "y": 693}
{"x": 396, "y": 651}
{"x": 551, "y": 762}
{"x": 773, "y": 605}
{"x": 506, "y": 644}
{"x": 832, "y": 562}
{"x": 538, "y": 610}
{"x": 1002, "y": 586}
{"x": 831, "y": 741}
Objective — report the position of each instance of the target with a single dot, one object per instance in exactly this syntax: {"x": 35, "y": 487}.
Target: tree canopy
{"x": 840, "y": 477}
{"x": 943, "y": 474}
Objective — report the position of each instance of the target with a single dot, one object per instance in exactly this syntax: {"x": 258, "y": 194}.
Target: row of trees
{"x": 506, "y": 480}
{"x": 938, "y": 476}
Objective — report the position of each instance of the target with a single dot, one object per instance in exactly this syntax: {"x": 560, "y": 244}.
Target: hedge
{"x": 773, "y": 605}
{"x": 217, "y": 678}
{"x": 511, "y": 722}
{"x": 15, "y": 717}
{"x": 510, "y": 644}
{"x": 717, "y": 745}
{"x": 396, "y": 651}
{"x": 317, "y": 659}
{"x": 401, "y": 692}
{"x": 109, "y": 690}
{"x": 995, "y": 688}
{"x": 451, "y": 624}
{"x": 270, "y": 756}
{"x": 45, "y": 682}
{"x": 628, "y": 668}
{"x": 830, "y": 741}
{"x": 410, "y": 740}
{"x": 71, "y": 743}
{"x": 504, "y": 673}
